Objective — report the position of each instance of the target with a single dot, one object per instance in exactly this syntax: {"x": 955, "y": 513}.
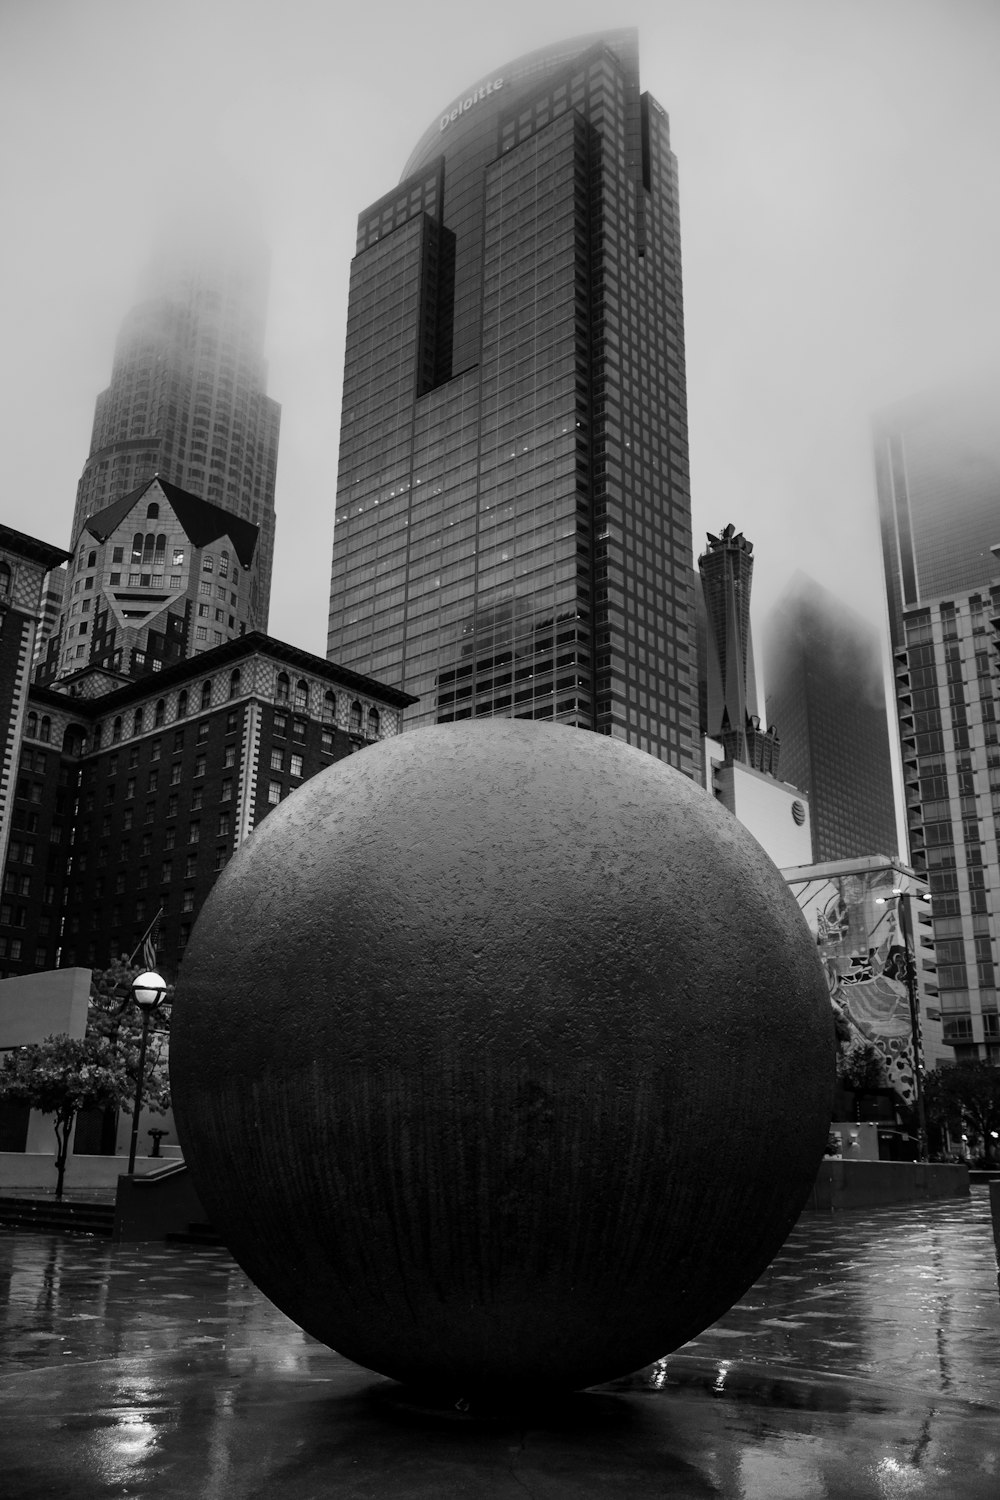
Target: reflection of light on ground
{"x": 134, "y": 1434}
{"x": 719, "y": 1383}
{"x": 784, "y": 1470}
{"x": 893, "y": 1480}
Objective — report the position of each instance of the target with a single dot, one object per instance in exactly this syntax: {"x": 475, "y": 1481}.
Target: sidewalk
{"x": 864, "y": 1363}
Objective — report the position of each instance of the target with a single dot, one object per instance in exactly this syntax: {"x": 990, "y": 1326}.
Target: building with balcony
{"x": 937, "y": 465}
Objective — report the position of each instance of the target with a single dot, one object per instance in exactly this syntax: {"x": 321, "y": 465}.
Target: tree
{"x": 861, "y": 1068}
{"x": 966, "y": 1095}
{"x": 114, "y": 1015}
{"x": 60, "y": 1076}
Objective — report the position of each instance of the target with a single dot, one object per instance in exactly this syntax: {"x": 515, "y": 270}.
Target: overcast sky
{"x": 840, "y": 215}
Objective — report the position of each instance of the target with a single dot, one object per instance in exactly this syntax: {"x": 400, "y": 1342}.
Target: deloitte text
{"x": 467, "y": 103}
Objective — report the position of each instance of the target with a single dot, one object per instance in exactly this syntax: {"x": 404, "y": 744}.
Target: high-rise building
{"x": 25, "y": 563}
{"x": 187, "y": 398}
{"x": 513, "y": 517}
{"x": 938, "y": 475}
{"x": 157, "y": 576}
{"x": 826, "y": 699}
{"x": 726, "y": 677}
{"x": 937, "y": 467}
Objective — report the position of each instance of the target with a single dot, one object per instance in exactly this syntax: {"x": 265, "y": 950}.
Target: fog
{"x": 839, "y": 206}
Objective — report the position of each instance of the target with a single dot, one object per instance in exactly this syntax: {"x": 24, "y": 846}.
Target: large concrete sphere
{"x": 501, "y": 1055}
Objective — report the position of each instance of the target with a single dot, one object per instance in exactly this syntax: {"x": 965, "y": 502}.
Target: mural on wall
{"x": 865, "y": 959}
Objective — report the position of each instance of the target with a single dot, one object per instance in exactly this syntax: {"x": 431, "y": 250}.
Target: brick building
{"x": 131, "y": 795}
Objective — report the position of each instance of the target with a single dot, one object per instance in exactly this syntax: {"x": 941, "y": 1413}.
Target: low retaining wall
{"x": 874, "y": 1184}
{"x": 157, "y": 1204}
{"x": 35, "y": 1171}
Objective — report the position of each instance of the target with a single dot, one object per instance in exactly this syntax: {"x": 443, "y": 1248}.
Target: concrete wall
{"x": 764, "y": 807}
{"x": 875, "y": 1184}
{"x": 35, "y": 1171}
{"x": 34, "y": 1006}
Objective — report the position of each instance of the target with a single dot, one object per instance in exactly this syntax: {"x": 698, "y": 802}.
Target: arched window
{"x": 147, "y": 547}
{"x": 74, "y": 740}
{"x": 152, "y": 511}
{"x": 159, "y": 713}
{"x": 329, "y": 708}
{"x": 137, "y": 547}
{"x": 5, "y": 577}
{"x": 137, "y": 722}
{"x": 301, "y": 695}
{"x": 234, "y": 683}
{"x": 45, "y": 729}
{"x": 281, "y": 688}
{"x": 97, "y": 735}
{"x": 208, "y": 563}
{"x": 355, "y": 722}
{"x": 224, "y": 565}
{"x": 206, "y": 693}
{"x": 161, "y": 548}
{"x": 32, "y": 727}
{"x": 91, "y": 559}
{"x": 182, "y": 704}
{"x": 116, "y": 730}
{"x": 373, "y": 723}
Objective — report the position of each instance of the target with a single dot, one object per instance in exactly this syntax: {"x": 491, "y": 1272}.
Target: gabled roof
{"x": 202, "y": 521}
{"x": 31, "y": 547}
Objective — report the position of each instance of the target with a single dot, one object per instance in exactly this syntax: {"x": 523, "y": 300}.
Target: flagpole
{"x": 146, "y": 937}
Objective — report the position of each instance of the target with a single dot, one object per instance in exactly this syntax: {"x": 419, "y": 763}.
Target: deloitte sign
{"x": 481, "y": 92}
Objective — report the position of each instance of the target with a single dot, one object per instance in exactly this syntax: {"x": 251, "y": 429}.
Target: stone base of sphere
{"x": 502, "y": 1056}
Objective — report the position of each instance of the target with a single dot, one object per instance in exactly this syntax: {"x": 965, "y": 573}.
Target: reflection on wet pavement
{"x": 865, "y": 1362}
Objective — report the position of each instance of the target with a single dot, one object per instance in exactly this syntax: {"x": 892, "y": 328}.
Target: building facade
{"x": 938, "y": 477}
{"x": 25, "y": 563}
{"x": 826, "y": 699}
{"x": 727, "y": 682}
{"x": 157, "y": 576}
{"x": 188, "y": 393}
{"x": 513, "y": 529}
{"x": 131, "y": 796}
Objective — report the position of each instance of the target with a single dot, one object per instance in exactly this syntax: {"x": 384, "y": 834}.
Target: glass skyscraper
{"x": 513, "y": 529}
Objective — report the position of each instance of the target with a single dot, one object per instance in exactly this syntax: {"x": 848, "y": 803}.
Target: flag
{"x": 148, "y": 943}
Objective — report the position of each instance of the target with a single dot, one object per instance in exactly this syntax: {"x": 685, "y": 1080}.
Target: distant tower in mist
{"x": 825, "y": 696}
{"x": 938, "y": 475}
{"x": 725, "y": 653}
{"x": 187, "y": 398}
{"x": 937, "y": 466}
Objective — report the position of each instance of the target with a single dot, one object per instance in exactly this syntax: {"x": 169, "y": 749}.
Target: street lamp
{"x": 148, "y": 990}
{"x": 898, "y": 897}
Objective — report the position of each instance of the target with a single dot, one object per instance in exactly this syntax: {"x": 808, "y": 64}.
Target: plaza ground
{"x": 864, "y": 1363}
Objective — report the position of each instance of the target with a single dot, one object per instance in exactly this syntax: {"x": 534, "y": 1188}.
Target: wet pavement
{"x": 864, "y": 1363}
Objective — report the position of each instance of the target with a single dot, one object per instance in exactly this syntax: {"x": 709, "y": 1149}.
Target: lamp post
{"x": 148, "y": 990}
{"x": 898, "y": 897}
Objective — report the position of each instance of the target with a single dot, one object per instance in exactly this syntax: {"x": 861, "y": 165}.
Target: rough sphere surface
{"x": 501, "y": 1054}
